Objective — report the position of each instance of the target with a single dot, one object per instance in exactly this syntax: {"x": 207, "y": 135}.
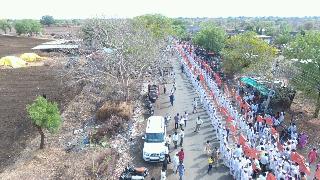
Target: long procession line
{"x": 205, "y": 86}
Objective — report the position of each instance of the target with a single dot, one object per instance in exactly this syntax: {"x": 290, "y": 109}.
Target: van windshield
{"x": 154, "y": 137}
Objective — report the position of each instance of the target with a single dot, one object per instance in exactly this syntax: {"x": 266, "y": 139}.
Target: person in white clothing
{"x": 163, "y": 174}
{"x": 175, "y": 162}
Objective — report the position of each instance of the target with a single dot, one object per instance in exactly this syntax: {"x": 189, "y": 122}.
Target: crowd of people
{"x": 250, "y": 145}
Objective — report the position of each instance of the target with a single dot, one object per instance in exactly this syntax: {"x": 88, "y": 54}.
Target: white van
{"x": 154, "y": 139}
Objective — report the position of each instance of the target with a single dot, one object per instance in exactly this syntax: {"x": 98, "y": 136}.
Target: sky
{"x": 70, "y": 9}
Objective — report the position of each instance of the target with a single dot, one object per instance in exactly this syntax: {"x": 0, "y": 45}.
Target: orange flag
{"x": 246, "y": 150}
{"x": 259, "y": 118}
{"x": 317, "y": 174}
{"x": 296, "y": 157}
{"x": 280, "y": 147}
{"x": 270, "y": 176}
{"x": 273, "y": 131}
{"x": 242, "y": 140}
{"x": 304, "y": 168}
{"x": 233, "y": 128}
{"x": 254, "y": 153}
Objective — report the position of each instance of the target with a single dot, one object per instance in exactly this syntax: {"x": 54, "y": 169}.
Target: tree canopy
{"x": 244, "y": 51}
{"x": 5, "y": 25}
{"x": 47, "y": 20}
{"x": 304, "y": 50}
{"x": 44, "y": 115}
{"x": 210, "y": 37}
{"x": 159, "y": 25}
{"x": 27, "y": 26}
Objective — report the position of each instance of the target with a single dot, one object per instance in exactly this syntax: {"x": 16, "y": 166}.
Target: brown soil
{"x": 20, "y": 87}
{"x": 12, "y": 45}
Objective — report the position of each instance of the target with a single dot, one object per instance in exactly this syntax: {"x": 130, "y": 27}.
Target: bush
{"x": 109, "y": 109}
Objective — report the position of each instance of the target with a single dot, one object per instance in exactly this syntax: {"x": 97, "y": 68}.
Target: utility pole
{"x": 272, "y": 92}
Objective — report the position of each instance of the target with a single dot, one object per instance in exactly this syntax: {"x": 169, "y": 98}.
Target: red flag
{"x": 269, "y": 121}
{"x": 270, "y": 176}
{"x": 242, "y": 139}
{"x": 280, "y": 147}
{"x": 259, "y": 118}
{"x": 229, "y": 119}
{"x": 238, "y": 98}
{"x": 273, "y": 131}
{"x": 233, "y": 128}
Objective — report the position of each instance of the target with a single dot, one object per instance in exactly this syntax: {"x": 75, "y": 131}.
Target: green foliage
{"x": 5, "y": 25}
{"x": 210, "y": 37}
{"x": 47, "y": 20}
{"x": 179, "y": 29}
{"x": 27, "y": 26}
{"x": 306, "y": 50}
{"x": 282, "y": 39}
{"x": 45, "y": 114}
{"x": 159, "y": 25}
{"x": 244, "y": 51}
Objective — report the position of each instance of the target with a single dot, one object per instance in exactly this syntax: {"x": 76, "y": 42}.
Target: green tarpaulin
{"x": 260, "y": 87}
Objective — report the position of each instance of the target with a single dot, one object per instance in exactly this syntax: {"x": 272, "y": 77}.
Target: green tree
{"x": 282, "y": 39}
{"x": 179, "y": 28}
{"x": 47, "y": 20}
{"x": 44, "y": 115}
{"x": 305, "y": 49}
{"x": 244, "y": 51}
{"x": 159, "y": 25}
{"x": 27, "y": 26}
{"x": 5, "y": 25}
{"x": 210, "y": 37}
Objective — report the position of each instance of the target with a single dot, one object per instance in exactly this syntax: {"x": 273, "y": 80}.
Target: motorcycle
{"x": 132, "y": 173}
{"x": 149, "y": 107}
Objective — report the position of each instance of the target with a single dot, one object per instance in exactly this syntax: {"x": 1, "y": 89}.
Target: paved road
{"x": 196, "y": 162}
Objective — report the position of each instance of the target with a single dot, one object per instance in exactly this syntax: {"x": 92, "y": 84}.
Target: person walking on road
{"x": 194, "y": 104}
{"x": 171, "y": 99}
{"x": 175, "y": 139}
{"x": 164, "y": 89}
{"x": 163, "y": 174}
{"x": 181, "y": 155}
{"x": 210, "y": 162}
{"x": 181, "y": 170}
{"x": 168, "y": 141}
{"x": 176, "y": 121}
{"x": 167, "y": 155}
{"x": 207, "y": 148}
{"x": 175, "y": 163}
{"x": 181, "y": 122}
{"x": 198, "y": 124}
{"x": 181, "y": 137}
{"x": 312, "y": 156}
{"x": 185, "y": 118}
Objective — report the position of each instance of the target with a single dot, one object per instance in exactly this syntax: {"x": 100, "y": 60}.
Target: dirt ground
{"x": 20, "y": 87}
{"x": 12, "y": 45}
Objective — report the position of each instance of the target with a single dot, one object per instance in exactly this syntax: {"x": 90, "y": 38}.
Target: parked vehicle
{"x": 132, "y": 173}
{"x": 154, "y": 139}
{"x": 153, "y": 92}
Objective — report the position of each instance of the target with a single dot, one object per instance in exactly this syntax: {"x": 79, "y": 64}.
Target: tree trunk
{"x": 42, "y": 137}
{"x": 316, "y": 113}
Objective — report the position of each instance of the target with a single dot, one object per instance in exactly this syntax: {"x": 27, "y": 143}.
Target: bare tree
{"x": 121, "y": 52}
